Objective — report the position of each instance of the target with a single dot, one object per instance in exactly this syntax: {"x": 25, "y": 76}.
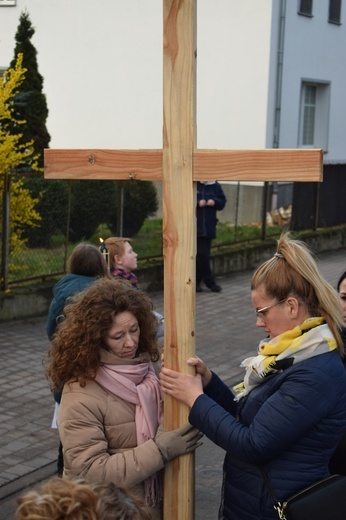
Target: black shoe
{"x": 215, "y": 288}
{"x": 199, "y": 288}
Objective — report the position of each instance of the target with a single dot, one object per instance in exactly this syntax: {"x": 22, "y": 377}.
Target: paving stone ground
{"x": 225, "y": 334}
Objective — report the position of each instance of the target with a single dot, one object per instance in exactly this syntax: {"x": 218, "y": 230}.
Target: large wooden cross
{"x": 178, "y": 165}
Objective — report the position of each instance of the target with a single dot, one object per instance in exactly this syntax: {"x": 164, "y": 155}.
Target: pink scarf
{"x": 138, "y": 384}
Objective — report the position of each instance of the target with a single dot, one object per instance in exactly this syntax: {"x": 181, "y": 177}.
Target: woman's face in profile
{"x": 128, "y": 260}
{"x": 342, "y": 294}
{"x": 123, "y": 336}
{"x": 271, "y": 315}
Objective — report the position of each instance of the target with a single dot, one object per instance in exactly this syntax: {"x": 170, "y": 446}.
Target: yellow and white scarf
{"x": 312, "y": 338}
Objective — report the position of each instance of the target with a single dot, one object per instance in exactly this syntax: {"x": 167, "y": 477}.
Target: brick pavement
{"x": 225, "y": 334}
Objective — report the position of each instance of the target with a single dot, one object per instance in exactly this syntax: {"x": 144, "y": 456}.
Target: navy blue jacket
{"x": 206, "y": 216}
{"x": 290, "y": 423}
{"x": 69, "y": 285}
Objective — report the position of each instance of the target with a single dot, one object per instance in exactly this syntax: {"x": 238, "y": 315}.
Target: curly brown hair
{"x": 75, "y": 350}
{"x": 79, "y": 500}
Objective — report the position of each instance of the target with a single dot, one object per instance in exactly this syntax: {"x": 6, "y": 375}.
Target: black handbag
{"x": 324, "y": 500}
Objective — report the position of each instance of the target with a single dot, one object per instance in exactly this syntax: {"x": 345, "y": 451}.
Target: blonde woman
{"x": 290, "y": 411}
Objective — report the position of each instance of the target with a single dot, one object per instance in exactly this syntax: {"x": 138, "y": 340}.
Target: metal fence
{"x": 298, "y": 206}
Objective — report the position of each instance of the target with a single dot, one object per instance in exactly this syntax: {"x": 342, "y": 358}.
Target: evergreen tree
{"x": 30, "y": 105}
{"x": 140, "y": 202}
{"x": 97, "y": 202}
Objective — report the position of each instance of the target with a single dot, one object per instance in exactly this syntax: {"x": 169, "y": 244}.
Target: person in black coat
{"x": 337, "y": 464}
{"x": 210, "y": 199}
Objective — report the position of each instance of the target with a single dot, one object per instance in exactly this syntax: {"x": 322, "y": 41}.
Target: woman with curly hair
{"x": 289, "y": 413}
{"x": 85, "y": 265}
{"x": 103, "y": 354}
{"x": 79, "y": 500}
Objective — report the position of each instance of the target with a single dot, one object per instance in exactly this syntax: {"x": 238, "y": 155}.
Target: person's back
{"x": 86, "y": 264}
{"x": 66, "y": 287}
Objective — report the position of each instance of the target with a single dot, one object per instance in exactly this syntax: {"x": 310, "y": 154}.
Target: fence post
{"x": 317, "y": 206}
{"x": 264, "y": 210}
{"x": 68, "y": 220}
{"x": 120, "y": 223}
{"x": 5, "y": 231}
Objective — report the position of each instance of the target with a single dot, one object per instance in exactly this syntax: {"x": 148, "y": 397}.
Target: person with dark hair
{"x": 110, "y": 418}
{"x": 79, "y": 499}
{"x": 85, "y": 265}
{"x": 337, "y": 464}
{"x": 341, "y": 288}
{"x": 210, "y": 199}
{"x": 289, "y": 413}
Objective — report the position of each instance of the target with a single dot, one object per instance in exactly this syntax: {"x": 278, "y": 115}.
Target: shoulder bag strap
{"x": 277, "y": 505}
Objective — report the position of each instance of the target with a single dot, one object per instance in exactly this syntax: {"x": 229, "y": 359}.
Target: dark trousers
{"x": 60, "y": 461}
{"x": 203, "y": 269}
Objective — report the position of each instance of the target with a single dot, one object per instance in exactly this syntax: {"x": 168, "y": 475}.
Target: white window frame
{"x": 317, "y": 112}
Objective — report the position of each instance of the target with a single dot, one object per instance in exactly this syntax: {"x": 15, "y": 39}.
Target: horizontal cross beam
{"x": 298, "y": 165}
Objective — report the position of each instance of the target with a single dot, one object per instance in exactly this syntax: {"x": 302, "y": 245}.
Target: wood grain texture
{"x": 259, "y": 165}
{"x": 103, "y": 164}
{"x": 224, "y": 165}
{"x": 179, "y": 231}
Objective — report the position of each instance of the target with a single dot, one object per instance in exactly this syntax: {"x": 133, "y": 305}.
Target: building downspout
{"x": 278, "y": 91}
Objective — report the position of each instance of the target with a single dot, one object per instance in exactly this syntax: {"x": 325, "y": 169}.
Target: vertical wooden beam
{"x": 179, "y": 226}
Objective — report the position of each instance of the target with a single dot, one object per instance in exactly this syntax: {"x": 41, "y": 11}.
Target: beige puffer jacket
{"x": 98, "y": 434}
